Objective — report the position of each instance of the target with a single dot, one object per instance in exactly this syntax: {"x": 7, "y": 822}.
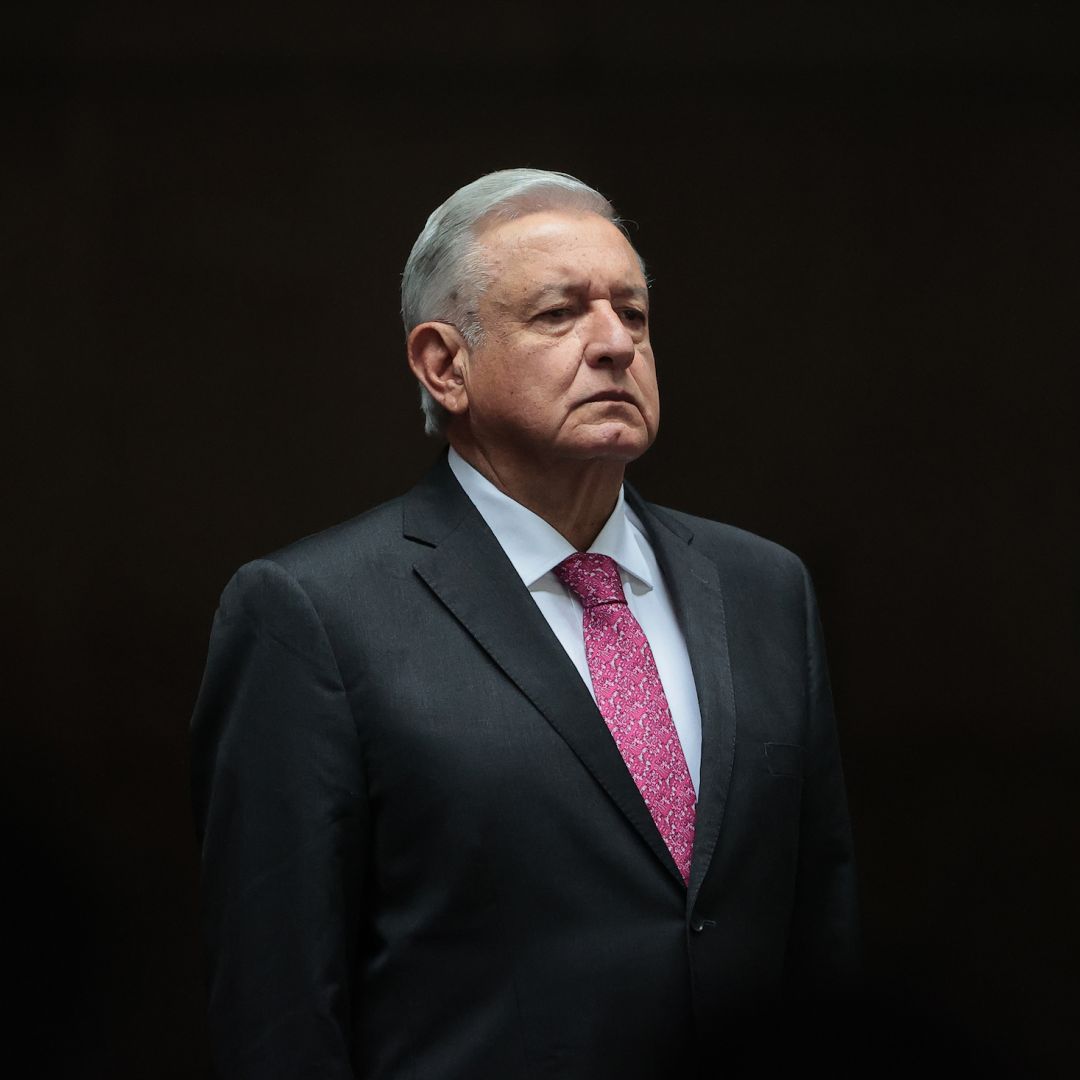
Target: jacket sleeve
{"x": 823, "y": 948}
{"x": 281, "y": 815}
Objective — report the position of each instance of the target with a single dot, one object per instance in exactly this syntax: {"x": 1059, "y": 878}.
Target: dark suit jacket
{"x": 423, "y": 856}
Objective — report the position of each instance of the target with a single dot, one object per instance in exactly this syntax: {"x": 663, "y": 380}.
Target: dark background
{"x": 862, "y": 224}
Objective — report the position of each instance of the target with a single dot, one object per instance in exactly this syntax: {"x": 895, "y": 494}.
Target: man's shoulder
{"x": 371, "y": 536}
{"x": 327, "y": 563}
{"x": 727, "y": 545}
{"x": 369, "y": 555}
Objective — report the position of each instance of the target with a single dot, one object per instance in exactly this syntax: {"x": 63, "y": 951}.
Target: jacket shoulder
{"x": 736, "y": 552}
{"x": 370, "y": 537}
{"x": 317, "y": 567}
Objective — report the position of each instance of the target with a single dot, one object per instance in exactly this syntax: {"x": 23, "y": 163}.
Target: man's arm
{"x": 282, "y": 817}
{"x": 823, "y": 948}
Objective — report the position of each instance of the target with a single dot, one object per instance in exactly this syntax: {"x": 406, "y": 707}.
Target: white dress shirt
{"x": 535, "y": 549}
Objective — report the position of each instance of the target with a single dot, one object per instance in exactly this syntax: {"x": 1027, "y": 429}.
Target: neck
{"x": 574, "y": 497}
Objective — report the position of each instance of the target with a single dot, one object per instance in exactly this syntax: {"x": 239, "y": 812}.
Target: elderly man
{"x": 518, "y": 775}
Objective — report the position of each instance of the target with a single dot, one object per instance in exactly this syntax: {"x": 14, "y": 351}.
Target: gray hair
{"x": 445, "y": 276}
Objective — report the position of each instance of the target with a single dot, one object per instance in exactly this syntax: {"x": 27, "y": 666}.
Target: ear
{"x": 438, "y": 355}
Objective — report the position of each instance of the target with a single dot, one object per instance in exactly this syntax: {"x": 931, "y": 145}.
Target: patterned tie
{"x": 632, "y": 701}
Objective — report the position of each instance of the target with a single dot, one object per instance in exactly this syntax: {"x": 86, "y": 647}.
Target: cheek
{"x": 646, "y": 378}
{"x": 548, "y": 376}
{"x": 526, "y": 386}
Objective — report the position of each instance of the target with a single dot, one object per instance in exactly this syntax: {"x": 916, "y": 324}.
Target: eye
{"x": 634, "y": 315}
{"x": 555, "y": 314}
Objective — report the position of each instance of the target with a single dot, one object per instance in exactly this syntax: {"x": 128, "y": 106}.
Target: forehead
{"x": 555, "y": 246}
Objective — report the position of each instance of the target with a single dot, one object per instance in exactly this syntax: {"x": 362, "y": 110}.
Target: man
{"x": 518, "y": 775}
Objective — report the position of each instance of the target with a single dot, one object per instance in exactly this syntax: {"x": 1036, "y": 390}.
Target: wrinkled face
{"x": 564, "y": 369}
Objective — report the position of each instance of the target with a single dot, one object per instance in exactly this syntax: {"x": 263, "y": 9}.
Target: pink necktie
{"x": 632, "y": 701}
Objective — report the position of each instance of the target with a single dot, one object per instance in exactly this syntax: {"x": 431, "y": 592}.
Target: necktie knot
{"x": 593, "y": 579}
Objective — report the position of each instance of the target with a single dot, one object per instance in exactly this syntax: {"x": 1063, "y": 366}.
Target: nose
{"x": 610, "y": 343}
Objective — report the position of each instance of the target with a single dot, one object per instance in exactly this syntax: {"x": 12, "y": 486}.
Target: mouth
{"x": 611, "y": 395}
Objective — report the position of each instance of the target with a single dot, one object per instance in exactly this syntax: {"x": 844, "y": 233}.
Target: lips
{"x": 611, "y": 395}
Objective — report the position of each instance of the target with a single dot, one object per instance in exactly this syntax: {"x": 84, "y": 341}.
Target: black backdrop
{"x": 862, "y": 224}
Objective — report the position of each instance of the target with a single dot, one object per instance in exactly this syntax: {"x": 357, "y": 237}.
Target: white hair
{"x": 445, "y": 275}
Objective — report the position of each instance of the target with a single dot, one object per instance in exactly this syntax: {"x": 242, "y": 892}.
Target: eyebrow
{"x": 551, "y": 291}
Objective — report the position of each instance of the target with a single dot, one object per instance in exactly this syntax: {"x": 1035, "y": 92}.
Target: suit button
{"x": 697, "y": 924}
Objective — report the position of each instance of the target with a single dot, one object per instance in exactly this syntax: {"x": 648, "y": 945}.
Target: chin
{"x": 615, "y": 442}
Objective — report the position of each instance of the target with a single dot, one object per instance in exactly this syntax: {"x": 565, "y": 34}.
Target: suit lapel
{"x": 464, "y": 566}
{"x": 694, "y": 583}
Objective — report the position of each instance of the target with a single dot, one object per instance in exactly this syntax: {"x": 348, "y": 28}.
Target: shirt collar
{"x": 533, "y": 546}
